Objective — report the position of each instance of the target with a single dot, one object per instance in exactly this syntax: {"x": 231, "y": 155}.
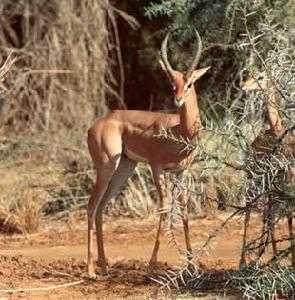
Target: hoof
{"x": 92, "y": 276}
{"x": 95, "y": 277}
{"x": 152, "y": 266}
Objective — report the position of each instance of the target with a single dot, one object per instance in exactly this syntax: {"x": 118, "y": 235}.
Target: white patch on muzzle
{"x": 178, "y": 103}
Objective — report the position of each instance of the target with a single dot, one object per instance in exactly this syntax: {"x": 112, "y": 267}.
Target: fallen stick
{"x": 48, "y": 288}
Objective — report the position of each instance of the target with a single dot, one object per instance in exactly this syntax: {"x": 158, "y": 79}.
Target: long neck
{"x": 190, "y": 121}
{"x": 272, "y": 111}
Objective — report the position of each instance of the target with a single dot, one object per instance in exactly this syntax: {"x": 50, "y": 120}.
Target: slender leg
{"x": 264, "y": 232}
{"x": 269, "y": 228}
{"x": 292, "y": 238}
{"x": 122, "y": 173}
{"x": 106, "y": 151}
{"x": 183, "y": 201}
{"x": 273, "y": 239}
{"x": 98, "y": 192}
{"x": 272, "y": 228}
{"x": 290, "y": 216}
{"x": 160, "y": 183}
{"x": 90, "y": 266}
{"x": 154, "y": 257}
{"x": 246, "y": 224}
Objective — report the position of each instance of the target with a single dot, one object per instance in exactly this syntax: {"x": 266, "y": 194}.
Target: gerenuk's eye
{"x": 188, "y": 86}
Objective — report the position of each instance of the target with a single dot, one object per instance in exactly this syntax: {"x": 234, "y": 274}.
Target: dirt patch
{"x": 58, "y": 256}
{"x": 125, "y": 278}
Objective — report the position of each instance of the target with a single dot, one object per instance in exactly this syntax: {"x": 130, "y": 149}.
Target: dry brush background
{"x": 69, "y": 70}
{"x": 53, "y": 92}
{"x": 58, "y": 85}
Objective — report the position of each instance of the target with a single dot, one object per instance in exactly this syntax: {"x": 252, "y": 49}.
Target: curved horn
{"x": 165, "y": 55}
{"x": 197, "y": 56}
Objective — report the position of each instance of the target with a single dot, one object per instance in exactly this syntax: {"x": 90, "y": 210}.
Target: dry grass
{"x": 55, "y": 89}
{"x": 59, "y": 82}
{"x": 23, "y": 194}
{"x": 20, "y": 213}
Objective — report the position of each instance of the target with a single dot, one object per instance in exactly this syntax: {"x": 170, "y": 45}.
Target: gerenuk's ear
{"x": 197, "y": 74}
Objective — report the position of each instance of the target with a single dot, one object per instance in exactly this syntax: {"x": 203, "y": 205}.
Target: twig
{"x": 119, "y": 57}
{"x": 48, "y": 288}
{"x": 10, "y": 60}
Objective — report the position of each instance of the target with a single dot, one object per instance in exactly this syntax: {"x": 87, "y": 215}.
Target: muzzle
{"x": 178, "y": 102}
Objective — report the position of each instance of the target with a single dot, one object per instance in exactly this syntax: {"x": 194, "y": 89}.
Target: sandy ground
{"x": 57, "y": 255}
